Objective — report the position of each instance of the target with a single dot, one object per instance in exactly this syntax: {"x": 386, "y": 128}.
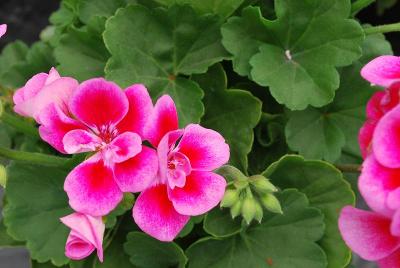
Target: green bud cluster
{"x": 248, "y": 196}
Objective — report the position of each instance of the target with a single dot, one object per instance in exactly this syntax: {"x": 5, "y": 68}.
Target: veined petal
{"x": 367, "y": 233}
{"x": 80, "y": 141}
{"x": 156, "y": 216}
{"x": 376, "y": 183}
{"x": 99, "y": 103}
{"x": 163, "y": 120}
{"x": 55, "y": 124}
{"x": 91, "y": 188}
{"x": 382, "y": 71}
{"x": 202, "y": 192}
{"x": 138, "y": 172}
{"x": 77, "y": 248}
{"x": 140, "y": 109}
{"x": 205, "y": 148}
{"x": 53, "y": 76}
{"x": 386, "y": 141}
{"x": 123, "y": 147}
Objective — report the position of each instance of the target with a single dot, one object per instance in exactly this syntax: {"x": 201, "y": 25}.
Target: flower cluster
{"x": 174, "y": 173}
{"x": 375, "y": 235}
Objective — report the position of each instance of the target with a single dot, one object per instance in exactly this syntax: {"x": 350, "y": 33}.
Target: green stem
{"x": 350, "y": 168}
{"x": 19, "y": 124}
{"x": 360, "y": 5}
{"x": 387, "y": 28}
{"x": 34, "y": 158}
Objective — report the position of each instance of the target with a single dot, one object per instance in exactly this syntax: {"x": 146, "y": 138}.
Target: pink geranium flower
{"x": 86, "y": 235}
{"x": 379, "y": 104}
{"x": 3, "y": 29}
{"x": 380, "y": 186}
{"x": 185, "y": 185}
{"x": 382, "y": 71}
{"x": 386, "y": 142}
{"x": 42, "y": 90}
{"x": 372, "y": 236}
{"x": 105, "y": 120}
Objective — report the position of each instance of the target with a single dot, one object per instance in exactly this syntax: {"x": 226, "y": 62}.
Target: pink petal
{"x": 140, "y": 108}
{"x": 34, "y": 85}
{"x": 55, "y": 124}
{"x": 376, "y": 183}
{"x": 77, "y": 248}
{"x": 367, "y": 233}
{"x": 205, "y": 148}
{"x": 80, "y": 141}
{"x": 391, "y": 261}
{"x": 57, "y": 93}
{"x": 181, "y": 168}
{"x": 382, "y": 71}
{"x": 156, "y": 216}
{"x": 18, "y": 97}
{"x": 137, "y": 173}
{"x": 91, "y": 188}
{"x": 163, "y": 120}
{"x": 3, "y": 29}
{"x": 53, "y": 76}
{"x": 202, "y": 192}
{"x": 365, "y": 137}
{"x": 373, "y": 109}
{"x": 395, "y": 226}
{"x": 124, "y": 146}
{"x": 386, "y": 139}
{"x": 99, "y": 103}
{"x": 87, "y": 229}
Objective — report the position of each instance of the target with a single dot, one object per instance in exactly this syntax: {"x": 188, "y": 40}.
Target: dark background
{"x": 26, "y": 19}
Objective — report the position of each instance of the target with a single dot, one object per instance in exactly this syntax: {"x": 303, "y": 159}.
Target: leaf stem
{"x": 386, "y": 28}
{"x": 19, "y": 124}
{"x": 34, "y": 158}
{"x": 360, "y": 5}
{"x": 350, "y": 168}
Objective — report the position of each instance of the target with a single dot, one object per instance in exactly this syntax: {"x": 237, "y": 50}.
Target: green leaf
{"x": 233, "y": 113}
{"x": 326, "y": 189}
{"x": 270, "y": 143}
{"x": 281, "y": 241}
{"x": 219, "y": 223}
{"x": 224, "y": 8}
{"x": 35, "y": 202}
{"x": 145, "y": 251}
{"x": 5, "y": 239}
{"x": 81, "y": 52}
{"x": 103, "y": 8}
{"x": 18, "y": 63}
{"x": 304, "y": 45}
{"x": 159, "y": 47}
{"x": 325, "y": 133}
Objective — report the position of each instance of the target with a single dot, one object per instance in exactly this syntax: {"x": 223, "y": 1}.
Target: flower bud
{"x": 259, "y": 213}
{"x": 231, "y": 197}
{"x": 249, "y": 209}
{"x": 262, "y": 184}
{"x": 3, "y": 176}
{"x": 241, "y": 184}
{"x": 235, "y": 209}
{"x": 271, "y": 203}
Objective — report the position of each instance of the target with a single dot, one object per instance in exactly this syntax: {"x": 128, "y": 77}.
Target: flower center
{"x": 107, "y": 133}
{"x": 178, "y": 168}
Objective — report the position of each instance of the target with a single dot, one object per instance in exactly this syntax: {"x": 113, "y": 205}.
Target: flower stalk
{"x": 34, "y": 158}
{"x": 19, "y": 124}
{"x": 360, "y": 5}
{"x": 386, "y": 28}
